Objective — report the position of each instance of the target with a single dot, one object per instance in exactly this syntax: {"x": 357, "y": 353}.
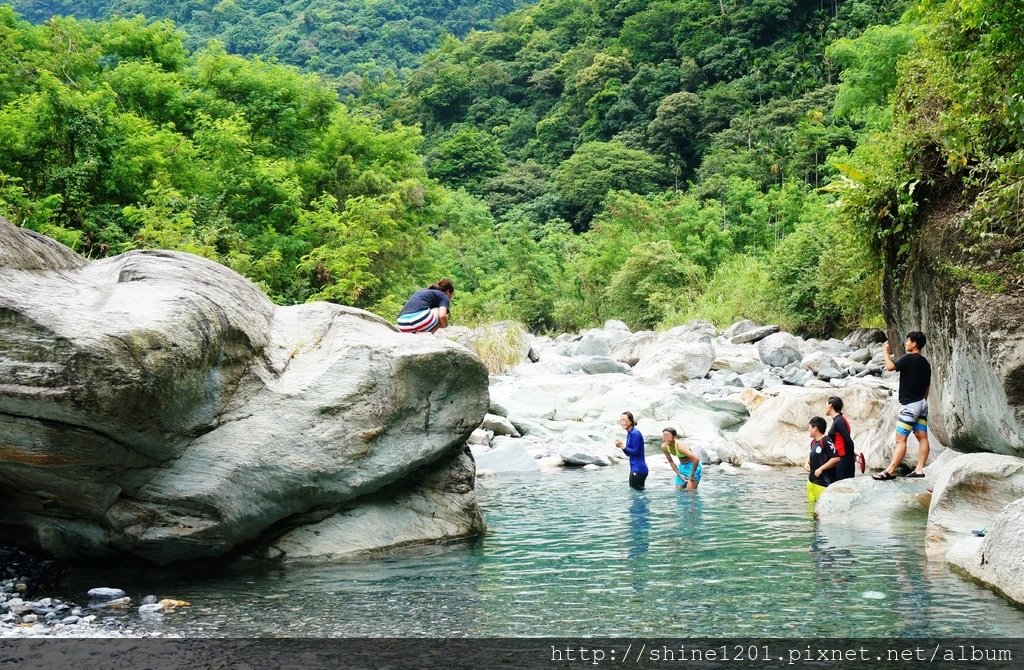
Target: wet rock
{"x": 863, "y": 502}
{"x": 969, "y": 492}
{"x": 104, "y": 593}
{"x": 997, "y": 559}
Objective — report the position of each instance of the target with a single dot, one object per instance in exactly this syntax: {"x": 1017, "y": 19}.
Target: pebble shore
{"x": 25, "y": 610}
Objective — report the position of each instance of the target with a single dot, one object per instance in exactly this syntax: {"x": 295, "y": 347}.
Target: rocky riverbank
{"x": 742, "y": 398}
{"x": 26, "y": 610}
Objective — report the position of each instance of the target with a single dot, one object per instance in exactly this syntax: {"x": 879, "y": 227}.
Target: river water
{"x": 578, "y": 553}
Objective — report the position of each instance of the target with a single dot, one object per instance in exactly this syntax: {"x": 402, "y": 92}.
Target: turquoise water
{"x": 575, "y": 553}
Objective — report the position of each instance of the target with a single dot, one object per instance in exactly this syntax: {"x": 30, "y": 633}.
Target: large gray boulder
{"x": 969, "y": 492}
{"x": 779, "y": 350}
{"x": 863, "y": 503}
{"x": 676, "y": 361}
{"x": 438, "y": 502}
{"x": 776, "y": 433}
{"x": 157, "y": 404}
{"x": 634, "y": 347}
{"x": 997, "y": 559}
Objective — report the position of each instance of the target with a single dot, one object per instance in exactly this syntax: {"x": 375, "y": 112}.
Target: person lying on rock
{"x": 821, "y": 461}
{"x": 689, "y": 471}
{"x": 915, "y": 383}
{"x": 427, "y": 310}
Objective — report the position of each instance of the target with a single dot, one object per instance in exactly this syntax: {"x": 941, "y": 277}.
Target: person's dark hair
{"x": 836, "y": 402}
{"x": 817, "y": 422}
{"x": 670, "y": 430}
{"x": 629, "y": 415}
{"x": 444, "y": 285}
{"x": 918, "y": 338}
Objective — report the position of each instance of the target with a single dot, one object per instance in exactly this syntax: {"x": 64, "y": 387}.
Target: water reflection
{"x": 573, "y": 553}
{"x": 639, "y": 525}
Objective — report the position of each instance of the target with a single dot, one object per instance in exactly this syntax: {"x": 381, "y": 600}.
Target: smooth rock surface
{"x": 437, "y": 502}
{"x": 157, "y": 404}
{"x": 776, "y": 432}
{"x": 865, "y": 503}
{"x": 780, "y": 350}
{"x": 970, "y": 491}
{"x": 997, "y": 559}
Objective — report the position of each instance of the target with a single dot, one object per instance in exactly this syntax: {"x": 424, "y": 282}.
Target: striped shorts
{"x": 418, "y": 322}
{"x": 913, "y": 417}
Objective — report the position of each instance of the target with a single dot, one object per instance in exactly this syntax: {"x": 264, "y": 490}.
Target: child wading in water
{"x": 688, "y": 472}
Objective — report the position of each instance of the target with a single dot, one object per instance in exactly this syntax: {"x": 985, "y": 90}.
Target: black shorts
{"x": 637, "y": 479}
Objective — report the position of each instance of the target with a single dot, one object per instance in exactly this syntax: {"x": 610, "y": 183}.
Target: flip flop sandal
{"x": 913, "y": 474}
{"x": 883, "y": 476}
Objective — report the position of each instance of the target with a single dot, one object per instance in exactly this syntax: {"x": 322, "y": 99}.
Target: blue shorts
{"x": 913, "y": 418}
{"x": 686, "y": 473}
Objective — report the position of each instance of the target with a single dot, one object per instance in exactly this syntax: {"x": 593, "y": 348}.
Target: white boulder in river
{"x": 776, "y": 433}
{"x": 158, "y": 404}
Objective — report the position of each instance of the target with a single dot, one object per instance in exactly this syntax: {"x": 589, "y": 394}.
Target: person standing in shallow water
{"x": 821, "y": 461}
{"x": 839, "y": 433}
{"x": 634, "y": 448}
{"x": 427, "y": 310}
{"x": 915, "y": 383}
{"x": 688, "y": 472}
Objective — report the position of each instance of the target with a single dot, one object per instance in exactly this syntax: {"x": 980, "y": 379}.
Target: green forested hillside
{"x": 718, "y": 118}
{"x": 341, "y": 39}
{"x": 112, "y": 138}
{"x": 647, "y": 161}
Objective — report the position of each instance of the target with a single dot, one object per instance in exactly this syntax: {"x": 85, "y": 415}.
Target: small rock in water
{"x": 150, "y": 600}
{"x": 29, "y": 618}
{"x": 116, "y": 603}
{"x": 104, "y": 593}
{"x": 86, "y": 620}
{"x": 170, "y": 603}
{"x": 151, "y": 608}
{"x": 68, "y": 620}
{"x": 873, "y": 595}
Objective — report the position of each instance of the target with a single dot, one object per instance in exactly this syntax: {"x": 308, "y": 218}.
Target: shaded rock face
{"x": 440, "y": 503}
{"x": 158, "y": 404}
{"x": 970, "y": 491}
{"x": 996, "y": 560}
{"x": 975, "y": 343}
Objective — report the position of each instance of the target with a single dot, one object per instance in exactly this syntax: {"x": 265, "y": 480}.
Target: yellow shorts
{"x": 814, "y": 492}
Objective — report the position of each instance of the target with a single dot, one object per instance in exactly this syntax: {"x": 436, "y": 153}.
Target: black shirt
{"x": 822, "y": 451}
{"x": 428, "y": 298}
{"x": 915, "y": 377}
{"x": 839, "y": 433}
